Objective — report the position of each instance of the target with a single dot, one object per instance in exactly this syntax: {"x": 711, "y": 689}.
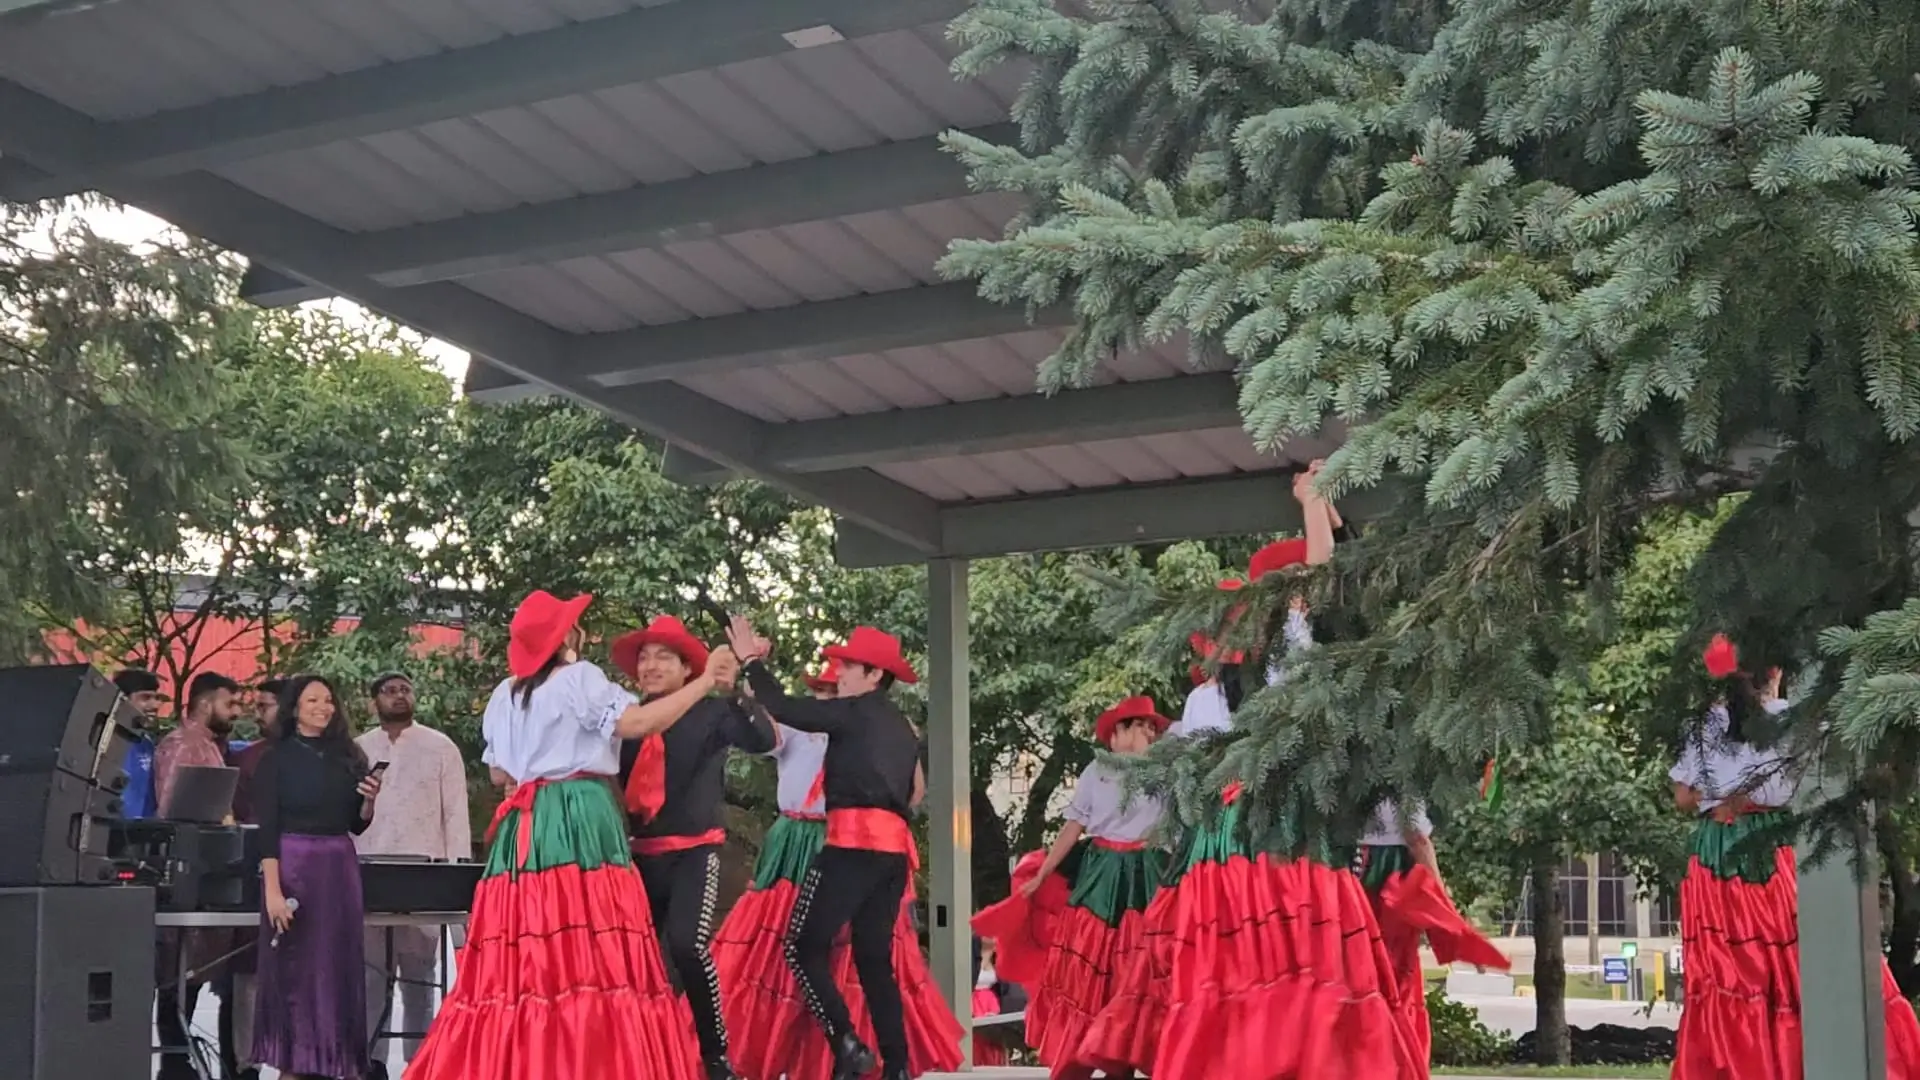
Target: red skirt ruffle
{"x": 561, "y": 978}
{"x": 1085, "y": 964}
{"x": 1257, "y": 969}
{"x": 987, "y": 1003}
{"x": 1022, "y": 928}
{"x": 768, "y": 1025}
{"x": 1412, "y": 906}
{"x": 1742, "y": 1014}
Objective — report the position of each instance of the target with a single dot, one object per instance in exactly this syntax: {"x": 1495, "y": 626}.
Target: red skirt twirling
{"x": 1257, "y": 969}
{"x": 1741, "y": 1017}
{"x": 561, "y": 977}
{"x": 1411, "y": 906}
{"x": 769, "y": 1029}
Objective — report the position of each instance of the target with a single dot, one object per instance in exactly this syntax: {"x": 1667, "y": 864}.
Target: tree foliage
{"x": 112, "y": 379}
{"x": 1551, "y": 267}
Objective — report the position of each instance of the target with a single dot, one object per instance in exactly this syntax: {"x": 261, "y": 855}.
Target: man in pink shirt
{"x": 213, "y": 703}
{"x": 423, "y": 813}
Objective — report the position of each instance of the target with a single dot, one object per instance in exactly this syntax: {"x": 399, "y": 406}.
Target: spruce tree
{"x": 1550, "y": 265}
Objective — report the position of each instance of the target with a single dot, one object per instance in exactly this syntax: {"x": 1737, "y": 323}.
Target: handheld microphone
{"x": 293, "y": 907}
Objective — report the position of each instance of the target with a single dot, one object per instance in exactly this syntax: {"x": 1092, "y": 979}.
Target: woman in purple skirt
{"x": 313, "y": 790}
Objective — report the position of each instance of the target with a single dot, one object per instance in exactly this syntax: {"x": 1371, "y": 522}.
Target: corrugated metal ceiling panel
{"x": 751, "y": 271}
{"x": 849, "y": 95}
{"x": 137, "y": 57}
{"x": 921, "y": 377}
{"x": 1093, "y": 465}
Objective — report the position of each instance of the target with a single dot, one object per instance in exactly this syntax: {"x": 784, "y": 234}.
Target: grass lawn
{"x": 1597, "y": 1072}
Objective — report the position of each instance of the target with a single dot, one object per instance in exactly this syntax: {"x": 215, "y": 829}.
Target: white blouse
{"x": 1206, "y": 707}
{"x": 1384, "y": 828}
{"x": 1099, "y": 806}
{"x": 799, "y": 756}
{"x": 567, "y": 727}
{"x": 1718, "y": 767}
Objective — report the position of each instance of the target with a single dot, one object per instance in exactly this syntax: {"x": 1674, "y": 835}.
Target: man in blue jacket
{"x": 142, "y": 688}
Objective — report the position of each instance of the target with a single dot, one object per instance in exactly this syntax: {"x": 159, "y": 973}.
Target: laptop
{"x": 201, "y": 795}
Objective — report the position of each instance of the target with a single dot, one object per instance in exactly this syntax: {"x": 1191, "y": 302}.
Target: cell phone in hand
{"x": 379, "y": 767}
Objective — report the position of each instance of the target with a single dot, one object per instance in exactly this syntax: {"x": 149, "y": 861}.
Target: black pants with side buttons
{"x": 848, "y": 886}
{"x": 682, "y": 889}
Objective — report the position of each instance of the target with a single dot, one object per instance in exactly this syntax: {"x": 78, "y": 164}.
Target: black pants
{"x": 682, "y": 889}
{"x": 864, "y": 889}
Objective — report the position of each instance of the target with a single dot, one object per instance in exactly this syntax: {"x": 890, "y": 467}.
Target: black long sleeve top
{"x": 308, "y": 787}
{"x": 871, "y": 747}
{"x": 697, "y": 765}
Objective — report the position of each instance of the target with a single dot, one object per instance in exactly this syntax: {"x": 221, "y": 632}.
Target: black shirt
{"x": 697, "y": 765}
{"x": 871, "y": 747}
{"x": 306, "y": 786}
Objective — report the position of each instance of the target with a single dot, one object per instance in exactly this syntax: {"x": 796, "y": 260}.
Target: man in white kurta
{"x": 423, "y": 813}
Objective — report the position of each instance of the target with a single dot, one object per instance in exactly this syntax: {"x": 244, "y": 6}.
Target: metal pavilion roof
{"x": 715, "y": 219}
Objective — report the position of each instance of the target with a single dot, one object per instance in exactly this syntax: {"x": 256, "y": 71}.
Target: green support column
{"x": 1842, "y": 1019}
{"x": 949, "y": 791}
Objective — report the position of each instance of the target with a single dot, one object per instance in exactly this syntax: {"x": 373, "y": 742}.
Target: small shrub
{"x": 1459, "y": 1038}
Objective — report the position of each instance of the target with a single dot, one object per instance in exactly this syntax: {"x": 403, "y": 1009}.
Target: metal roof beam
{"x": 266, "y": 287}
{"x": 637, "y": 46}
{"x": 817, "y": 188}
{"x": 1239, "y": 505}
{"x": 490, "y": 384}
{"x": 901, "y": 318}
{"x": 688, "y": 468}
{"x": 50, "y": 135}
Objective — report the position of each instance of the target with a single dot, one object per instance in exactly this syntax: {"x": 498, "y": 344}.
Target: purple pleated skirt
{"x": 310, "y": 1014}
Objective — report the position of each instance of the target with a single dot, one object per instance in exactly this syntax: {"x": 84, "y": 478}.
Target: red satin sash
{"x": 521, "y": 799}
{"x": 818, "y": 792}
{"x": 1105, "y": 844}
{"x": 667, "y": 845}
{"x": 801, "y": 815}
{"x": 867, "y": 828}
{"x": 647, "y": 783}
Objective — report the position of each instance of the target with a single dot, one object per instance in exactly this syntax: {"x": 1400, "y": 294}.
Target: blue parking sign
{"x": 1613, "y": 970}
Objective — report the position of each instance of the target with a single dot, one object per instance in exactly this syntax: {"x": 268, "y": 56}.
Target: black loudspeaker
{"x": 64, "y": 736}
{"x": 76, "y": 990}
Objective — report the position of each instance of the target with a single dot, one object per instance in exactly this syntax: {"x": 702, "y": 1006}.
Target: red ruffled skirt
{"x": 768, "y": 1026}
{"x": 1741, "y": 1020}
{"x": 987, "y": 1003}
{"x": 1411, "y": 905}
{"x": 561, "y": 977}
{"x": 1255, "y": 969}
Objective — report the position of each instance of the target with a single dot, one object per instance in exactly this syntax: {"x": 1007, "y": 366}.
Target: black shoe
{"x": 377, "y": 1070}
{"x": 851, "y": 1059}
{"x": 720, "y": 1069}
{"x": 895, "y": 1072}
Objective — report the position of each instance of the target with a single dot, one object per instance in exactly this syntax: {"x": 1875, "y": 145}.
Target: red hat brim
{"x": 667, "y": 631}
{"x": 874, "y": 655}
{"x": 1134, "y": 708}
{"x": 540, "y": 626}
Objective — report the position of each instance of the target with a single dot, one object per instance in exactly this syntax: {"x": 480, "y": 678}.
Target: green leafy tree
{"x": 113, "y": 377}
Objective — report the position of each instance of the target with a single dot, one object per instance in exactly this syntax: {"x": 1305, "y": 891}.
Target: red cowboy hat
{"x": 1134, "y": 708}
{"x": 1207, "y": 648}
{"x": 665, "y": 630}
{"x": 540, "y": 625}
{"x": 1276, "y": 556}
{"x": 828, "y": 679}
{"x": 875, "y": 649}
